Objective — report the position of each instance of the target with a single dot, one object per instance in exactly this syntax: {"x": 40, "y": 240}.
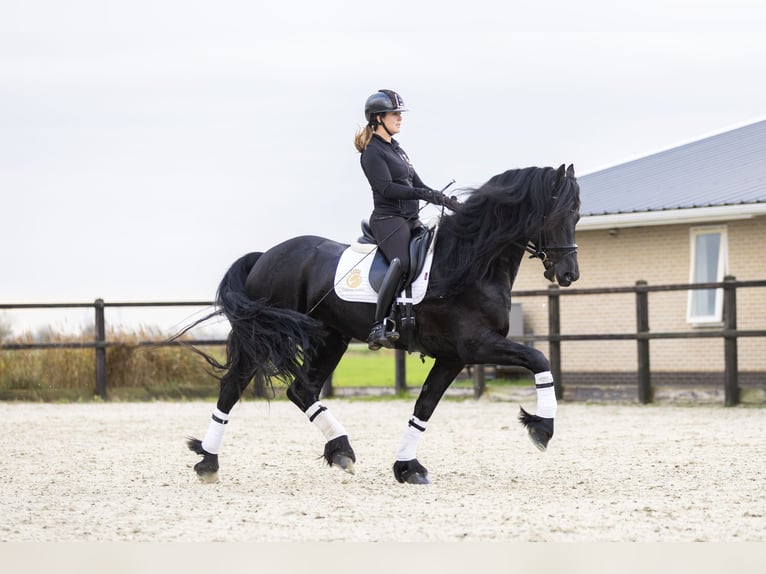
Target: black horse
{"x": 287, "y": 323}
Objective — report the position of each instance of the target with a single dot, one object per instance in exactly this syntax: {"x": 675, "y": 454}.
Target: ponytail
{"x": 363, "y": 137}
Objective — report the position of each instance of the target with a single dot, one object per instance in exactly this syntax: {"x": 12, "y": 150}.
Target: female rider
{"x": 396, "y": 191}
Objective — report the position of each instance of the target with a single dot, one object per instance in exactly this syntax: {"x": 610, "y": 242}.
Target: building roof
{"x": 722, "y": 170}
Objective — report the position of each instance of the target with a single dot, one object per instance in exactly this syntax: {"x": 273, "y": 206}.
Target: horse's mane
{"x": 509, "y": 209}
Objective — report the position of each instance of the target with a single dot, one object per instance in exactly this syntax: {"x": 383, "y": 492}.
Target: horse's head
{"x": 557, "y": 247}
{"x": 532, "y": 209}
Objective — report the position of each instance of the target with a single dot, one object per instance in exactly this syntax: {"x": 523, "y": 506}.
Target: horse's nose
{"x": 567, "y": 279}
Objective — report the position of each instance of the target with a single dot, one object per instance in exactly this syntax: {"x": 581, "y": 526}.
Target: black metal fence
{"x": 555, "y": 338}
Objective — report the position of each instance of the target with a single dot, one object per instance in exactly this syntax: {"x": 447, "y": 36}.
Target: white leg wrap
{"x": 409, "y": 443}
{"x": 546, "y": 395}
{"x": 325, "y": 421}
{"x": 212, "y": 441}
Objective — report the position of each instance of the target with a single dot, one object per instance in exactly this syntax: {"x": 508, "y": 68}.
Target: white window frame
{"x": 721, "y": 271}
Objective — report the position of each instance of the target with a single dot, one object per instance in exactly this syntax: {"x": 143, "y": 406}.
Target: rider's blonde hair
{"x": 363, "y": 137}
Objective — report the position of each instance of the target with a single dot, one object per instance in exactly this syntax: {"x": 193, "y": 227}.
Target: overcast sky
{"x": 145, "y": 145}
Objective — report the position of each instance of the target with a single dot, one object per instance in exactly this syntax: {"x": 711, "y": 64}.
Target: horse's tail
{"x": 272, "y": 342}
{"x": 231, "y": 296}
{"x": 268, "y": 341}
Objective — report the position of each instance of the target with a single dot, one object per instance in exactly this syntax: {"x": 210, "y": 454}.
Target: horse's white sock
{"x": 409, "y": 443}
{"x": 546, "y": 395}
{"x": 325, "y": 421}
{"x": 212, "y": 441}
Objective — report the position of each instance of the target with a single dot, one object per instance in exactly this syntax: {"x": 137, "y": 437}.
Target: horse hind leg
{"x": 337, "y": 449}
{"x": 233, "y": 385}
{"x": 304, "y": 393}
{"x": 207, "y": 468}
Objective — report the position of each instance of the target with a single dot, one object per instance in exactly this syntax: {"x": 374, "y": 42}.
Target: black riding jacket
{"x": 396, "y": 187}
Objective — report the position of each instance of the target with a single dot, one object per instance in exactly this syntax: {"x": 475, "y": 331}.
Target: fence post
{"x": 731, "y": 379}
{"x": 400, "y": 381}
{"x": 642, "y": 342}
{"x": 100, "y": 349}
{"x": 479, "y": 381}
{"x": 259, "y": 387}
{"x": 554, "y": 345}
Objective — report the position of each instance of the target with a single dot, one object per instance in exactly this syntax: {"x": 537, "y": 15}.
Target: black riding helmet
{"x": 381, "y": 102}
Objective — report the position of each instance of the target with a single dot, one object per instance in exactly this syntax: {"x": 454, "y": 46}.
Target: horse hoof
{"x": 411, "y": 472}
{"x": 206, "y": 477}
{"x": 539, "y": 439}
{"x": 208, "y": 466}
{"x": 540, "y": 429}
{"x": 418, "y": 478}
{"x": 344, "y": 462}
{"x": 338, "y": 452}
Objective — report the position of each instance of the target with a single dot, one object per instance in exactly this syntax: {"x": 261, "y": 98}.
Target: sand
{"x": 121, "y": 472}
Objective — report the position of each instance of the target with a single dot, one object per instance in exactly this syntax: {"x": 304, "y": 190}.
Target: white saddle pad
{"x": 352, "y": 281}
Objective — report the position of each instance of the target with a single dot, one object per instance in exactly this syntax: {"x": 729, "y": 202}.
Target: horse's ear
{"x": 570, "y": 170}
{"x": 559, "y": 174}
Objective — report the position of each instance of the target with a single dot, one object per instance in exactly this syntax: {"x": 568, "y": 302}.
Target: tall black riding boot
{"x": 379, "y": 335}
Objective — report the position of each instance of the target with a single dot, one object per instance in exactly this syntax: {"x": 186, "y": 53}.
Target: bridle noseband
{"x": 541, "y": 251}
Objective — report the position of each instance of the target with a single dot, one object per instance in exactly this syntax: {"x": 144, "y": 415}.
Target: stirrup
{"x": 380, "y": 337}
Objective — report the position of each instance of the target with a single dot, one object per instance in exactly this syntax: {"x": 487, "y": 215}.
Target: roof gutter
{"x": 672, "y": 216}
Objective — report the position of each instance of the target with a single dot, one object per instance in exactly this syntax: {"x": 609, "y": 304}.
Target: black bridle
{"x": 541, "y": 251}
{"x": 550, "y": 255}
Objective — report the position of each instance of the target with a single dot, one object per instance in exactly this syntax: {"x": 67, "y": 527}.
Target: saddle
{"x": 419, "y": 244}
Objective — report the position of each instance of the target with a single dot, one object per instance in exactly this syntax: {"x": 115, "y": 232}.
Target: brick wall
{"x": 659, "y": 255}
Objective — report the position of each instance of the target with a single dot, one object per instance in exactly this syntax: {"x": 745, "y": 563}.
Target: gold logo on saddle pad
{"x": 354, "y": 279}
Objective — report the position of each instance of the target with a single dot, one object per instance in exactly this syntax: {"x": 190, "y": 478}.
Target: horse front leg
{"x": 497, "y": 350}
{"x": 407, "y": 468}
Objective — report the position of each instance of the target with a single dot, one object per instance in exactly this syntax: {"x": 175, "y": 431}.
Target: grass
{"x": 363, "y": 368}
{"x": 137, "y": 372}
{"x": 360, "y": 367}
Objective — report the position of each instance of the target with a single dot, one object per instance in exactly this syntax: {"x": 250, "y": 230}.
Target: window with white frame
{"x": 709, "y": 263}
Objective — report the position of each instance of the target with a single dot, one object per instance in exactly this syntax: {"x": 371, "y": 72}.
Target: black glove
{"x": 438, "y": 198}
{"x": 451, "y": 203}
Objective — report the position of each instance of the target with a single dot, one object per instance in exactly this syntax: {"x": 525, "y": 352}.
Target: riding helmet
{"x": 381, "y": 102}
